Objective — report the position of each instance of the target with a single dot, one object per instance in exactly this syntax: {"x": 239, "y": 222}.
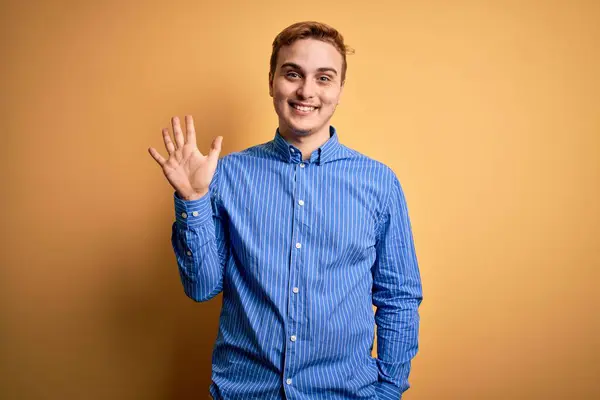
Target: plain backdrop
{"x": 488, "y": 111}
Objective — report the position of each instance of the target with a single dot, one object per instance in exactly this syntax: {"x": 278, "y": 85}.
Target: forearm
{"x": 397, "y": 345}
{"x": 199, "y": 249}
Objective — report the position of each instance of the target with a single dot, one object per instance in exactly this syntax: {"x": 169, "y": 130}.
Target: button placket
{"x": 295, "y": 267}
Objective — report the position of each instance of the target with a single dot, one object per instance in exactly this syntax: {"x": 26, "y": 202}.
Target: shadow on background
{"x": 157, "y": 312}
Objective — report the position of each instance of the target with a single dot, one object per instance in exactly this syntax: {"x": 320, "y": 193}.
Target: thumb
{"x": 215, "y": 148}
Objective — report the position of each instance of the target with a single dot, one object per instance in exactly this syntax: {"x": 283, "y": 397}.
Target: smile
{"x": 303, "y": 109}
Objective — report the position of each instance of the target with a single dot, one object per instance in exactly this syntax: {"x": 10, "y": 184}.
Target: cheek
{"x": 330, "y": 101}
{"x": 280, "y": 96}
{"x": 280, "y": 101}
{"x": 282, "y": 88}
{"x": 330, "y": 96}
{"x": 277, "y": 95}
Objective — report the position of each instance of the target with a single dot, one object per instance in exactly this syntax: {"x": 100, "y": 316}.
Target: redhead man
{"x": 302, "y": 235}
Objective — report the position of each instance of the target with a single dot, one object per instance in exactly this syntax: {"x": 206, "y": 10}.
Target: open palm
{"x": 187, "y": 169}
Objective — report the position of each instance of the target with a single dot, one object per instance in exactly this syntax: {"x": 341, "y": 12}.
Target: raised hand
{"x": 187, "y": 169}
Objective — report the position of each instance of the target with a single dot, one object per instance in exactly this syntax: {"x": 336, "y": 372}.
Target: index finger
{"x": 190, "y": 130}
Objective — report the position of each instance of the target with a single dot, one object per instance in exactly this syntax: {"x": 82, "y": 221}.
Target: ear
{"x": 340, "y": 95}
{"x": 270, "y": 85}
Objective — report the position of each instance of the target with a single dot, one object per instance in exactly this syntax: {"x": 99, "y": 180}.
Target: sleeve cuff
{"x": 387, "y": 391}
{"x": 192, "y": 212}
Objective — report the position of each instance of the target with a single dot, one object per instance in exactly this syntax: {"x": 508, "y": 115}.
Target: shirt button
{"x": 301, "y": 165}
{"x": 295, "y": 290}
{"x": 195, "y": 213}
{"x": 298, "y": 245}
{"x": 301, "y": 202}
{"x": 184, "y": 215}
{"x": 288, "y": 381}
{"x": 291, "y": 150}
{"x": 293, "y": 338}
{"x": 189, "y": 253}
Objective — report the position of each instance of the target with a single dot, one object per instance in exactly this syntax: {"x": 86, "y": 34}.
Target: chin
{"x": 302, "y": 132}
{"x": 303, "y": 124}
{"x": 302, "y": 129}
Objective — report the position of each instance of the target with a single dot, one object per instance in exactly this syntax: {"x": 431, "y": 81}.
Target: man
{"x": 303, "y": 235}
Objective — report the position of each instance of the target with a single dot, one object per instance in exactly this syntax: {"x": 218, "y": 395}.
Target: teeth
{"x": 301, "y": 108}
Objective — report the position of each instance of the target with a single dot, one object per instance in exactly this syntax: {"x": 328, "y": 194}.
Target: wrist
{"x": 192, "y": 196}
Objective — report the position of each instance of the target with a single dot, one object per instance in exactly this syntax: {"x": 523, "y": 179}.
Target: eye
{"x": 292, "y": 73}
{"x": 327, "y": 79}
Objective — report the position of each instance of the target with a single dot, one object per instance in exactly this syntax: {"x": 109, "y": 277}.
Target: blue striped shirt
{"x": 302, "y": 250}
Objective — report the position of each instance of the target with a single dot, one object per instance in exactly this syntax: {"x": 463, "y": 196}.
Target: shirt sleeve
{"x": 397, "y": 294}
{"x": 200, "y": 243}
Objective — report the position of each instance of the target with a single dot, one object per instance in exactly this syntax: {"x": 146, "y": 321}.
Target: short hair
{"x": 310, "y": 30}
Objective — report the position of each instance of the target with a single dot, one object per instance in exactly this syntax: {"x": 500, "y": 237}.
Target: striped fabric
{"x": 301, "y": 251}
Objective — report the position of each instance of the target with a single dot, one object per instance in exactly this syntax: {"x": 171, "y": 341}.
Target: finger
{"x": 179, "y": 142}
{"x": 215, "y": 148}
{"x": 167, "y": 139}
{"x": 190, "y": 130}
{"x": 159, "y": 159}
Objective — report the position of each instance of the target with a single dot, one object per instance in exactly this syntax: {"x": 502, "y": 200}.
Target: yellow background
{"x": 488, "y": 111}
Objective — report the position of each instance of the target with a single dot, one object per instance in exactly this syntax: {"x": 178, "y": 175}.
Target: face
{"x": 306, "y": 87}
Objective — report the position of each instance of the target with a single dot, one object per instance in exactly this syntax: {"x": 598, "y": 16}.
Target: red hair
{"x": 310, "y": 30}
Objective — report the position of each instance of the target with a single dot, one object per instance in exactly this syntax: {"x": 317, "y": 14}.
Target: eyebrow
{"x": 296, "y": 66}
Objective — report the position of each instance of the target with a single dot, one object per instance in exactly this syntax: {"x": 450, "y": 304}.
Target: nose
{"x": 307, "y": 89}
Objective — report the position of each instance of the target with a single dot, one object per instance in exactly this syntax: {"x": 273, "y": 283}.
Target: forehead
{"x": 310, "y": 54}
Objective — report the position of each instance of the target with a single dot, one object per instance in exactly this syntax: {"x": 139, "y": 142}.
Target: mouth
{"x": 302, "y": 109}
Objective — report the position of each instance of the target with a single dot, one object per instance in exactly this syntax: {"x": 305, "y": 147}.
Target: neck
{"x": 306, "y": 143}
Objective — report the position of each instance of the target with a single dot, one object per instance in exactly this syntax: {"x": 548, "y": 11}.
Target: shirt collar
{"x": 329, "y": 151}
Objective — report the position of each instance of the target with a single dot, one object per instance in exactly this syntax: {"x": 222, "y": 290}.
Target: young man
{"x": 303, "y": 235}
